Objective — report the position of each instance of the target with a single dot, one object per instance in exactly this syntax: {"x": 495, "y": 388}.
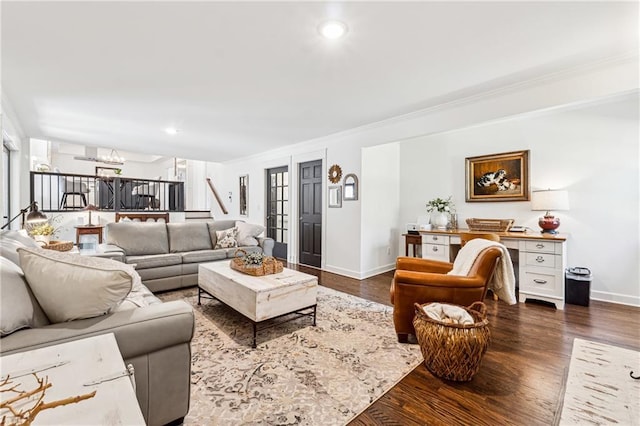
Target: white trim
{"x": 621, "y": 299}
{"x": 379, "y": 270}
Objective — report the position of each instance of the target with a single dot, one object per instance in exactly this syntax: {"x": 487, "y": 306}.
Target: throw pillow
{"x": 247, "y": 233}
{"x": 18, "y": 308}
{"x": 69, "y": 286}
{"x": 11, "y": 241}
{"x": 226, "y": 238}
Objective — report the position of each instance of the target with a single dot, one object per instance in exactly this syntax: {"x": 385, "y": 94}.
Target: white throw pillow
{"x": 226, "y": 238}
{"x": 247, "y": 233}
{"x": 70, "y": 286}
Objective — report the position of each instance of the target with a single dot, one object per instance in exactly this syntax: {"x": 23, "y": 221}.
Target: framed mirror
{"x": 350, "y": 187}
{"x": 244, "y": 193}
{"x": 335, "y": 196}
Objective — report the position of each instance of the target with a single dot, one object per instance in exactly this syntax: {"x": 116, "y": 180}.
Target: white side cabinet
{"x": 435, "y": 247}
{"x": 542, "y": 265}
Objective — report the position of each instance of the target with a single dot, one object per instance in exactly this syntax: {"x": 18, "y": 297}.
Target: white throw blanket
{"x": 449, "y": 314}
{"x": 503, "y": 281}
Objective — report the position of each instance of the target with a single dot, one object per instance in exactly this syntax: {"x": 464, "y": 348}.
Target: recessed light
{"x": 332, "y": 29}
{"x": 171, "y": 130}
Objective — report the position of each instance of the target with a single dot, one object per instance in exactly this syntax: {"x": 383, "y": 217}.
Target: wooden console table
{"x": 78, "y": 368}
{"x": 541, "y": 259}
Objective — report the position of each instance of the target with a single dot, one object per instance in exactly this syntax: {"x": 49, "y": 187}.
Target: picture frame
{"x": 498, "y": 177}
{"x": 335, "y": 196}
{"x": 244, "y": 195}
{"x": 108, "y": 172}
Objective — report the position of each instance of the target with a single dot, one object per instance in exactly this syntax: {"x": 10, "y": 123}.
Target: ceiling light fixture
{"x": 171, "y": 130}
{"x": 332, "y": 30}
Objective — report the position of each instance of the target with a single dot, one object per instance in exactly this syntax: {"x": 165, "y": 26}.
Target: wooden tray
{"x": 269, "y": 266}
{"x": 496, "y": 225}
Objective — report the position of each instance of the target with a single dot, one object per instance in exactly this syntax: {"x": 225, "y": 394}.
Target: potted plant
{"x": 440, "y": 210}
{"x": 42, "y": 233}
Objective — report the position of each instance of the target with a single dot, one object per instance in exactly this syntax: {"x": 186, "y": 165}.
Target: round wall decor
{"x": 335, "y": 173}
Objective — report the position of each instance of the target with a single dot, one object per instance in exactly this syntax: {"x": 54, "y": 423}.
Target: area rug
{"x": 599, "y": 390}
{"x": 298, "y": 374}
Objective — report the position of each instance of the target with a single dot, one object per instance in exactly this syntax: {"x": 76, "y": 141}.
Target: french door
{"x": 278, "y": 209}
{"x": 310, "y": 211}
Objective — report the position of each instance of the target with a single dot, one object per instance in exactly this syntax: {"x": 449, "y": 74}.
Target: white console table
{"x": 541, "y": 259}
{"x": 77, "y": 368}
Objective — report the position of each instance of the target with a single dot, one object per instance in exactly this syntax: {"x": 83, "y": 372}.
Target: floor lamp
{"x": 35, "y": 216}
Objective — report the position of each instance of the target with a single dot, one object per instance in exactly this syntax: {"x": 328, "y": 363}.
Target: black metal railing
{"x": 56, "y": 192}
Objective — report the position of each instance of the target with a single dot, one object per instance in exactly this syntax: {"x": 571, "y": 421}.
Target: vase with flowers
{"x": 43, "y": 232}
{"x": 440, "y": 209}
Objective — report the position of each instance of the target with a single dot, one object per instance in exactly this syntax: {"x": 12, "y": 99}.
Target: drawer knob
{"x": 539, "y": 281}
{"x": 435, "y": 249}
{"x": 435, "y": 238}
{"x": 539, "y": 259}
{"x": 540, "y": 245}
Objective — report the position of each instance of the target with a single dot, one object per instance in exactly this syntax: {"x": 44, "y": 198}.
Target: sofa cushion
{"x": 247, "y": 233}
{"x": 11, "y": 241}
{"x": 203, "y": 256}
{"x": 226, "y": 238}
{"x": 139, "y": 297}
{"x": 188, "y": 237}
{"x": 218, "y": 225}
{"x": 154, "y": 260}
{"x": 18, "y": 307}
{"x": 69, "y": 286}
{"x": 139, "y": 238}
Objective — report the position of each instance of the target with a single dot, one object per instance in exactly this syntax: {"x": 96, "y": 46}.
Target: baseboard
{"x": 359, "y": 275}
{"x": 621, "y": 299}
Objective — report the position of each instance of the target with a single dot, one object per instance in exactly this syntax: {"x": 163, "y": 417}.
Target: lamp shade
{"x": 550, "y": 200}
{"x": 35, "y": 216}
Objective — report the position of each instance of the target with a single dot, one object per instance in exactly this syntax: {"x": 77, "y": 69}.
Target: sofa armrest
{"x": 137, "y": 331}
{"x": 267, "y": 245}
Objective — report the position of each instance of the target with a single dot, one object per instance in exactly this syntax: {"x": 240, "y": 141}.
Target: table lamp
{"x": 548, "y": 200}
{"x": 90, "y": 208}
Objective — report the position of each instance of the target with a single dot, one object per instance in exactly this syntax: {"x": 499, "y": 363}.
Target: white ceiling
{"x": 239, "y": 78}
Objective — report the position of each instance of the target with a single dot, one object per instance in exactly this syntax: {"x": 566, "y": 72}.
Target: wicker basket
{"x": 496, "y": 225}
{"x": 453, "y": 351}
{"x": 59, "y": 245}
{"x": 269, "y": 265}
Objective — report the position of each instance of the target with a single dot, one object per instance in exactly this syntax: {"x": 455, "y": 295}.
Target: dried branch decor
{"x": 16, "y": 397}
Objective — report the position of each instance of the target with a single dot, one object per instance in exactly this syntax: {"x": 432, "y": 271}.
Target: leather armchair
{"x": 422, "y": 281}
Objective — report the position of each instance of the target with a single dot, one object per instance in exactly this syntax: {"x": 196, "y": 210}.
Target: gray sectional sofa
{"x": 153, "y": 336}
{"x": 167, "y": 255}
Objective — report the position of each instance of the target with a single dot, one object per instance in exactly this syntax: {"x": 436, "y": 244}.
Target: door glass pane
{"x": 279, "y": 208}
{"x": 285, "y": 207}
{"x": 279, "y": 179}
{"x": 279, "y": 193}
{"x": 285, "y": 235}
{"x": 285, "y": 178}
{"x": 279, "y": 221}
{"x": 273, "y": 180}
{"x": 285, "y": 222}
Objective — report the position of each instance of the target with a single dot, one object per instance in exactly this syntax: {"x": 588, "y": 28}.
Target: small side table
{"x": 413, "y": 240}
{"x": 89, "y": 230}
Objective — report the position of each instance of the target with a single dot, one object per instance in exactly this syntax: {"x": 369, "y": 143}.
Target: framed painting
{"x": 498, "y": 177}
{"x": 244, "y": 195}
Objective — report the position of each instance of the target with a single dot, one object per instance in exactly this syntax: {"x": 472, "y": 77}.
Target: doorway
{"x": 278, "y": 209}
{"x": 310, "y": 212}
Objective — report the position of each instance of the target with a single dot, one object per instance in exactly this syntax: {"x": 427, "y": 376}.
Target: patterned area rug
{"x": 298, "y": 374}
{"x": 599, "y": 389}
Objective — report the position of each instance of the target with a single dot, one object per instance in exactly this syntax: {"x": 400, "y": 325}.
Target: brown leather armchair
{"x": 423, "y": 281}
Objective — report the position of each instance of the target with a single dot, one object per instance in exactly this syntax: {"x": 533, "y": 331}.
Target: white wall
{"x": 380, "y": 208}
{"x": 590, "y": 150}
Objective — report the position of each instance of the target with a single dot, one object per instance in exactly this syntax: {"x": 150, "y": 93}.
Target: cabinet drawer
{"x": 548, "y": 284}
{"x": 540, "y": 246}
{"x": 435, "y": 239}
{"x": 544, "y": 260}
{"x": 435, "y": 251}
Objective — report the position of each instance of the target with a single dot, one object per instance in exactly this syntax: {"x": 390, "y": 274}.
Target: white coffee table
{"x": 260, "y": 298}
{"x": 77, "y": 368}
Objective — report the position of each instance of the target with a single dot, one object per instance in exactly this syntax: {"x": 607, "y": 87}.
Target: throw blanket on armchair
{"x": 503, "y": 281}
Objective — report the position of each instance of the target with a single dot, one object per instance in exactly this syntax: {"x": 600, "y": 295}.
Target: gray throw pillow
{"x": 18, "y": 308}
{"x": 247, "y": 233}
{"x": 70, "y": 286}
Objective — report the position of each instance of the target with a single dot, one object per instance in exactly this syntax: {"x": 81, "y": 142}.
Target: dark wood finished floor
{"x": 522, "y": 375}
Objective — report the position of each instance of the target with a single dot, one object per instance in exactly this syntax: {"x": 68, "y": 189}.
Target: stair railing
{"x": 218, "y": 199}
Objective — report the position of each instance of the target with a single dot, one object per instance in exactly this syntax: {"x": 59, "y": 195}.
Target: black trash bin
{"x": 577, "y": 286}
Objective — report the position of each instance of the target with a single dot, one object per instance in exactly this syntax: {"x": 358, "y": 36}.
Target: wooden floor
{"x": 522, "y": 375}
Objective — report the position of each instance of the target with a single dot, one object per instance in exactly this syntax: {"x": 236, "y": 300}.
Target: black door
{"x": 278, "y": 209}
{"x": 310, "y": 210}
